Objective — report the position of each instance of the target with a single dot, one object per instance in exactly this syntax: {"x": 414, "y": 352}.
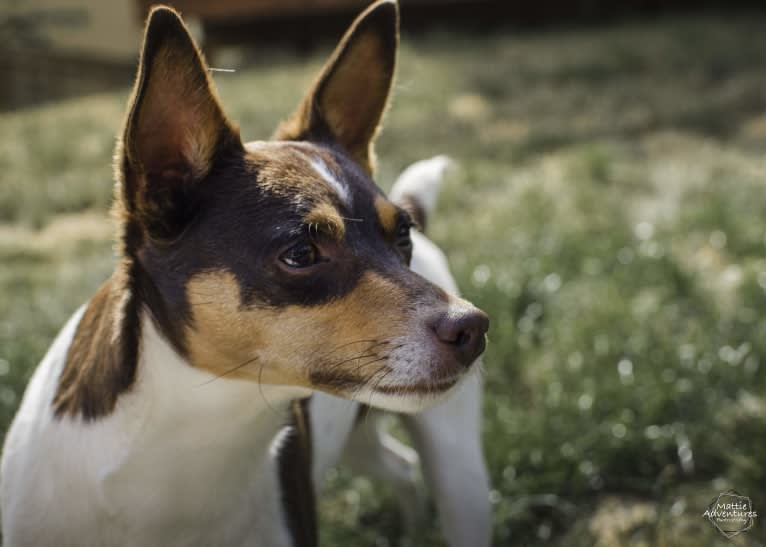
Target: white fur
{"x": 407, "y": 404}
{"x": 448, "y": 439}
{"x": 422, "y": 180}
{"x": 332, "y": 420}
{"x": 183, "y": 460}
{"x": 429, "y": 261}
{"x": 372, "y": 451}
{"x": 340, "y": 188}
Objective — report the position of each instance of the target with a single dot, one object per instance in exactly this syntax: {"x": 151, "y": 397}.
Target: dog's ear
{"x": 174, "y": 130}
{"x": 347, "y": 101}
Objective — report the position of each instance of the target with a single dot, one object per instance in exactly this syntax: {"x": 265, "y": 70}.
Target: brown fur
{"x": 350, "y": 96}
{"x": 388, "y": 215}
{"x": 94, "y": 373}
{"x": 269, "y": 345}
{"x": 325, "y": 218}
{"x": 174, "y": 127}
{"x": 284, "y": 170}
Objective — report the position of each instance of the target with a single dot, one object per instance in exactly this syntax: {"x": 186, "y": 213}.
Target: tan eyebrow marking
{"x": 388, "y": 214}
{"x": 326, "y": 219}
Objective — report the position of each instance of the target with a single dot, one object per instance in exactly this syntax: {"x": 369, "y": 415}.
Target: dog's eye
{"x": 403, "y": 240}
{"x": 301, "y": 255}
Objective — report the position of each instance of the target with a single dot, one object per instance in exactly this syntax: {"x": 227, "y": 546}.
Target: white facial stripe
{"x": 321, "y": 168}
{"x": 316, "y": 162}
{"x": 254, "y": 146}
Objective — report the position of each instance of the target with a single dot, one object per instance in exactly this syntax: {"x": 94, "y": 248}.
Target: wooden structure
{"x": 218, "y": 10}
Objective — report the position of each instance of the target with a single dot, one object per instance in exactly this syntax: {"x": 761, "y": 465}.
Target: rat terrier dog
{"x": 249, "y": 276}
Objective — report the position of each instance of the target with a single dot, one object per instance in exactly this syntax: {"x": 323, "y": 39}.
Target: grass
{"x": 610, "y": 216}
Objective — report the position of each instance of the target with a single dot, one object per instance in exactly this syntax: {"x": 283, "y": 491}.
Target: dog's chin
{"x": 407, "y": 398}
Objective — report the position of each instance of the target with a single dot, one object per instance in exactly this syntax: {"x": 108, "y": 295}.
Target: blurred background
{"x": 609, "y": 215}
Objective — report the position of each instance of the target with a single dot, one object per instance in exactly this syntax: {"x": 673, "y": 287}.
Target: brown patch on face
{"x": 388, "y": 214}
{"x": 334, "y": 346}
{"x": 326, "y": 219}
{"x": 102, "y": 357}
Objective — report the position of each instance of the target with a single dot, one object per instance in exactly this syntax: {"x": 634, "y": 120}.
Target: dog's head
{"x": 282, "y": 262}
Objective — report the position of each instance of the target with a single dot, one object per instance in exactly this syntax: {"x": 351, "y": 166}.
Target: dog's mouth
{"x": 337, "y": 383}
{"x": 423, "y": 388}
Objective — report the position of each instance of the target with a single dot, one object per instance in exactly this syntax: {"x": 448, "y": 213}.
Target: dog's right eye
{"x": 302, "y": 255}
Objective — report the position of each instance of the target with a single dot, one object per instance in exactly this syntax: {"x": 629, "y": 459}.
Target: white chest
{"x": 183, "y": 460}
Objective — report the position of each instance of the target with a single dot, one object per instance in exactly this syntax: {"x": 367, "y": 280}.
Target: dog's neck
{"x": 203, "y": 445}
{"x": 194, "y": 396}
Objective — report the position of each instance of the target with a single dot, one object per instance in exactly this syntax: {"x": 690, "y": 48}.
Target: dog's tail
{"x": 418, "y": 186}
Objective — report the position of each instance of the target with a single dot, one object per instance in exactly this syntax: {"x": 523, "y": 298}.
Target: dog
{"x": 172, "y": 407}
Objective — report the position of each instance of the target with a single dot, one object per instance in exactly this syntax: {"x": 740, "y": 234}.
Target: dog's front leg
{"x": 373, "y": 452}
{"x": 448, "y": 439}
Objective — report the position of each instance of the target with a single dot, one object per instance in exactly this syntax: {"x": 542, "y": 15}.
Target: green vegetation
{"x": 610, "y": 215}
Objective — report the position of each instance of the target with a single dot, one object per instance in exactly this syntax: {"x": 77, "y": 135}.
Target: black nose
{"x": 464, "y": 332}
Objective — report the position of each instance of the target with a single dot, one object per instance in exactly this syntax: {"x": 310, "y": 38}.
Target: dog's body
{"x": 250, "y": 276}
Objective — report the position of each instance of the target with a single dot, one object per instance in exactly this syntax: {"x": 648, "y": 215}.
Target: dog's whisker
{"x": 260, "y": 388}
{"x": 373, "y": 361}
{"x": 360, "y": 387}
{"x": 329, "y": 369}
{"x": 376, "y": 380}
{"x": 342, "y": 346}
{"x": 339, "y": 364}
{"x": 230, "y": 371}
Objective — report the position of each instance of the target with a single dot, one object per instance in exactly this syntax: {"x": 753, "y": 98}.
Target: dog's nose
{"x": 463, "y": 331}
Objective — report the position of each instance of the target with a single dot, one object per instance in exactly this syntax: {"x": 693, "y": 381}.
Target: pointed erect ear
{"x": 347, "y": 101}
{"x": 175, "y": 127}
